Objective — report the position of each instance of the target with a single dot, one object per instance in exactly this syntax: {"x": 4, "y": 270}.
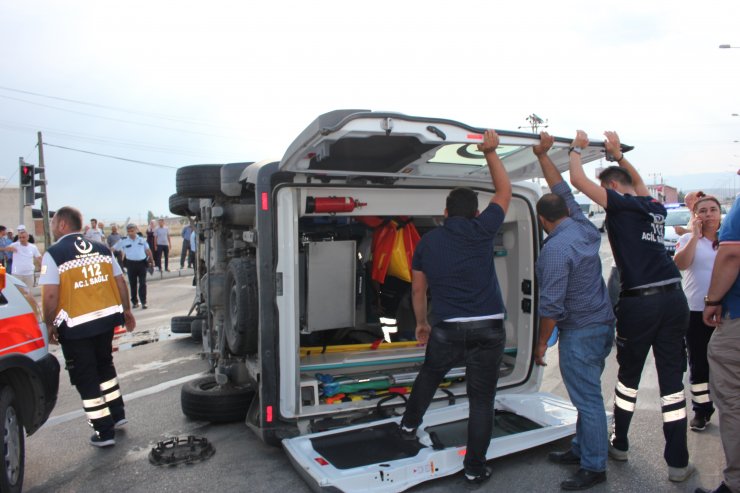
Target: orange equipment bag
{"x": 393, "y": 247}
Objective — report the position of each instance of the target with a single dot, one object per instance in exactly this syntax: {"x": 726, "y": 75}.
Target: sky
{"x": 176, "y": 83}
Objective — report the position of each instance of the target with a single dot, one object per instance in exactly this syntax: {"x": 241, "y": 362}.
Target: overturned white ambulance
{"x": 303, "y": 342}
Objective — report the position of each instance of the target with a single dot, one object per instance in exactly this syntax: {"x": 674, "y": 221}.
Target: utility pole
{"x": 44, "y": 198}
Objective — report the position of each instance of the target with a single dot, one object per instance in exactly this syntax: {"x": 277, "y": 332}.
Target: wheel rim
{"x": 12, "y": 442}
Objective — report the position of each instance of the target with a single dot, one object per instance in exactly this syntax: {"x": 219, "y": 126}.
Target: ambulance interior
{"x": 346, "y": 340}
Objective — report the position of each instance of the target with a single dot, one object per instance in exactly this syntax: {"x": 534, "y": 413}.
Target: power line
{"x": 116, "y": 108}
{"x": 158, "y": 165}
{"x": 120, "y": 120}
{"x": 130, "y": 144}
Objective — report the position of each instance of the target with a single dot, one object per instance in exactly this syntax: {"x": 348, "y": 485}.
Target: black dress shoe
{"x": 566, "y": 458}
{"x": 583, "y": 480}
{"x": 722, "y": 488}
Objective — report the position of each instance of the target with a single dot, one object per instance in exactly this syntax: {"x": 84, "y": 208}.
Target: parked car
{"x": 286, "y": 309}
{"x": 29, "y": 377}
{"x": 676, "y": 217}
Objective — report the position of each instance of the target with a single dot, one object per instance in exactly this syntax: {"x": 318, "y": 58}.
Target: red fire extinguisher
{"x": 331, "y": 205}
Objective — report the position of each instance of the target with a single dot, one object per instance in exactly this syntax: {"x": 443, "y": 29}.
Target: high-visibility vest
{"x": 89, "y": 300}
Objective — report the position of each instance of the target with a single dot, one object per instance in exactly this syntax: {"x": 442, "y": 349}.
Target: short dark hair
{"x": 552, "y": 207}
{"x": 462, "y": 201}
{"x": 2, "y": 228}
{"x": 615, "y": 173}
{"x": 71, "y": 216}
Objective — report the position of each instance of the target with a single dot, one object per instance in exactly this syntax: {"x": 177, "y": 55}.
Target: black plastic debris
{"x": 181, "y": 450}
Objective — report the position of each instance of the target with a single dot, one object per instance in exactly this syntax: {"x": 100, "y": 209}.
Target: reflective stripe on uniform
{"x": 669, "y": 416}
{"x": 625, "y": 397}
{"x": 91, "y": 403}
{"x": 63, "y": 316}
{"x": 100, "y": 413}
{"x": 673, "y": 406}
{"x": 699, "y": 387}
{"x": 109, "y": 384}
{"x": 95, "y": 408}
{"x": 700, "y": 393}
{"x": 112, "y": 396}
{"x": 669, "y": 399}
{"x": 622, "y": 404}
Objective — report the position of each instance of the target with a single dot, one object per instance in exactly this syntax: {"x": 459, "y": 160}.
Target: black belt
{"x": 489, "y": 323}
{"x": 651, "y": 290}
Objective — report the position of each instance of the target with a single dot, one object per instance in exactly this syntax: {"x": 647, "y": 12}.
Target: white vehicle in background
{"x": 679, "y": 216}
{"x": 595, "y": 213}
{"x": 284, "y": 306}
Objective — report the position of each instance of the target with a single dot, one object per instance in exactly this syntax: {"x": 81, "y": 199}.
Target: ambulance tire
{"x": 179, "y": 205}
{"x": 196, "y": 329}
{"x": 204, "y": 400}
{"x": 199, "y": 181}
{"x": 181, "y": 325}
{"x": 241, "y": 307}
{"x": 13, "y": 446}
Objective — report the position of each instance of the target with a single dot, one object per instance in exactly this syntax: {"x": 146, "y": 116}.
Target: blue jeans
{"x": 482, "y": 351}
{"x": 582, "y": 355}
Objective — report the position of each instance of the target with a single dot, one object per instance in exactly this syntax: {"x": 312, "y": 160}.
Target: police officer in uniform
{"x": 652, "y": 311}
{"x": 138, "y": 258}
{"x": 84, "y": 299}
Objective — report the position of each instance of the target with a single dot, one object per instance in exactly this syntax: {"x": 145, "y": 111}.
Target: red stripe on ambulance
{"x": 20, "y": 334}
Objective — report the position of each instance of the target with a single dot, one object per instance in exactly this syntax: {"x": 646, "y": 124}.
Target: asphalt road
{"x": 59, "y": 459}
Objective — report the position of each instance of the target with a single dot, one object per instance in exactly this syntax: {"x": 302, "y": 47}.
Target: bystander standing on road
{"x": 193, "y": 254}
{"x": 26, "y": 258}
{"x": 722, "y": 311}
{"x": 151, "y": 241}
{"x": 695, "y": 255}
{"x": 93, "y": 232}
{"x": 8, "y": 254}
{"x": 138, "y": 259}
{"x": 573, "y": 296}
{"x": 652, "y": 311}
{"x": 455, "y": 262}
{"x": 4, "y": 242}
{"x": 113, "y": 238}
{"x": 164, "y": 244}
{"x": 185, "y": 254}
{"x": 84, "y": 300}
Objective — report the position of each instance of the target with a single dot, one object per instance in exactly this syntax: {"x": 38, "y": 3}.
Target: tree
{"x": 149, "y": 216}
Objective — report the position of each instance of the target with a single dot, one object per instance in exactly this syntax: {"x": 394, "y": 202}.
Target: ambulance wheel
{"x": 204, "y": 400}
{"x": 179, "y": 205}
{"x": 241, "y": 310}
{"x": 13, "y": 443}
{"x": 181, "y": 325}
{"x": 199, "y": 181}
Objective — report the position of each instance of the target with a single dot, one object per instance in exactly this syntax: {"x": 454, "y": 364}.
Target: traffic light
{"x": 28, "y": 176}
{"x": 29, "y": 184}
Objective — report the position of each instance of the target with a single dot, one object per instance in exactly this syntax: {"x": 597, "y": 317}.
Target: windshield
{"x": 677, "y": 218}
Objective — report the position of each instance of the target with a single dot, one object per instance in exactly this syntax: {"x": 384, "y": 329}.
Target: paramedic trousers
{"x": 481, "y": 350}
{"x": 658, "y": 321}
{"x": 724, "y": 383}
{"x": 89, "y": 362}
{"x": 697, "y": 340}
